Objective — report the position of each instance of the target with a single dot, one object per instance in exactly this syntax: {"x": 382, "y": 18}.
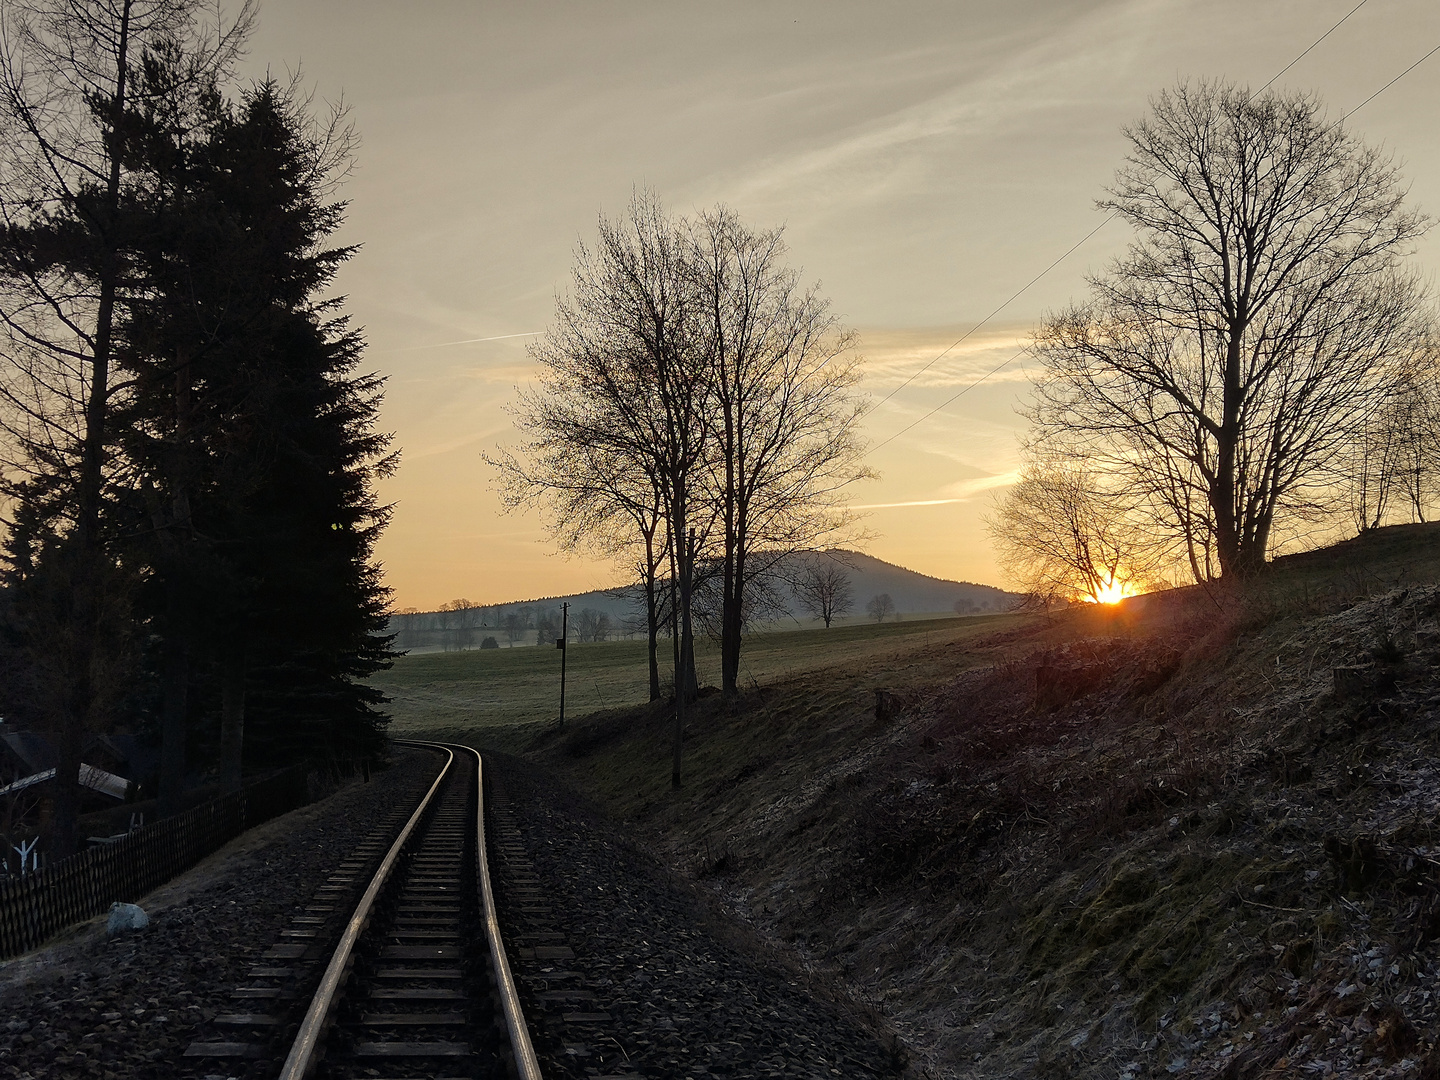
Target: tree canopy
{"x": 1220, "y": 366}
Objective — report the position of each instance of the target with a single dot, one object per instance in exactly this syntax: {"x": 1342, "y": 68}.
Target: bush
{"x": 489, "y": 643}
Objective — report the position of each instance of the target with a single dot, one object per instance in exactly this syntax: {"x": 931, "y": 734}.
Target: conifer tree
{"x": 256, "y": 442}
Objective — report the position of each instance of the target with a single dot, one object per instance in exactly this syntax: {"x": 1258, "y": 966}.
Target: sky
{"x": 927, "y": 160}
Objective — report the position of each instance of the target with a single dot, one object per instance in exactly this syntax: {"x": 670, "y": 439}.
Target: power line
{"x": 949, "y": 401}
{"x": 1069, "y": 251}
{"x": 1392, "y": 82}
{"x": 1306, "y": 53}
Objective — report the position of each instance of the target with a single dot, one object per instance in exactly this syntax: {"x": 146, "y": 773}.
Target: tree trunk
{"x": 175, "y": 544}
{"x": 675, "y": 615}
{"x": 685, "y": 688}
{"x": 652, "y": 615}
{"x": 729, "y": 628}
{"x": 652, "y": 633}
{"x": 62, "y": 811}
{"x": 730, "y": 576}
{"x": 77, "y": 716}
{"x": 732, "y": 622}
{"x": 1222, "y": 487}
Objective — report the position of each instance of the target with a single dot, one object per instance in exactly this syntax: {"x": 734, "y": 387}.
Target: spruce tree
{"x": 255, "y": 437}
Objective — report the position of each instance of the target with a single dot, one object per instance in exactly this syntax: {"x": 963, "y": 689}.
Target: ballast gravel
{"x": 126, "y": 1007}
{"x": 669, "y": 988}
{"x": 677, "y": 989}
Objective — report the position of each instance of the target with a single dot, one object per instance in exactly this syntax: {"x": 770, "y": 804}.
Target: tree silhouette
{"x": 880, "y": 607}
{"x": 823, "y": 587}
{"x": 1221, "y": 366}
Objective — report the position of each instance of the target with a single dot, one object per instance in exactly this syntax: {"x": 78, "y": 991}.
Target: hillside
{"x": 913, "y": 594}
{"x": 1193, "y": 836}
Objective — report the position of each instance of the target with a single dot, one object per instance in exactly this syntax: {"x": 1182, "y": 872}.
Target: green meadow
{"x": 453, "y": 692}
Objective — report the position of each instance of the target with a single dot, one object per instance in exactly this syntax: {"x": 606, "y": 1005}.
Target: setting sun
{"x": 1112, "y": 593}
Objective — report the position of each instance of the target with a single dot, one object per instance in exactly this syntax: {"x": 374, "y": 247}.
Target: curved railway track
{"x": 418, "y": 984}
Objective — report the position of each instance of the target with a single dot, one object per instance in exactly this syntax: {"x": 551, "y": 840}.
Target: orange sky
{"x": 927, "y": 160}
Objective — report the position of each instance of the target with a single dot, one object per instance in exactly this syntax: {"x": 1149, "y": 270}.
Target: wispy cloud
{"x": 960, "y": 492}
{"x": 965, "y": 490}
{"x": 893, "y": 356}
{"x": 448, "y": 446}
{"x": 894, "y": 151}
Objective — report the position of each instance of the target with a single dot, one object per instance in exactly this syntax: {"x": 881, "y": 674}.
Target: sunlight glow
{"x": 1112, "y": 593}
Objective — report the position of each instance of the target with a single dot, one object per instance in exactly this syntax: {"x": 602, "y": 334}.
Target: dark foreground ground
{"x": 653, "y": 982}
{"x": 659, "y": 984}
{"x": 1195, "y": 836}
{"x": 126, "y": 1008}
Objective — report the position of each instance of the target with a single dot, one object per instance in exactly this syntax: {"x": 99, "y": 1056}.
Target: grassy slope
{"x": 1182, "y": 854}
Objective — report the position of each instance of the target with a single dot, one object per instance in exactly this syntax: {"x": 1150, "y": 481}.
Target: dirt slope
{"x": 1146, "y": 843}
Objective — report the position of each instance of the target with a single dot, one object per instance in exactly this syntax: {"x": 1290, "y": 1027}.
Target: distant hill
{"x": 913, "y": 594}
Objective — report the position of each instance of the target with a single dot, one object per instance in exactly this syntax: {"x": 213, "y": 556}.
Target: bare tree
{"x": 880, "y": 607}
{"x": 464, "y": 617}
{"x": 784, "y": 444}
{"x": 690, "y": 388}
{"x": 547, "y": 627}
{"x": 623, "y": 387}
{"x": 593, "y": 625}
{"x": 447, "y": 621}
{"x": 594, "y": 498}
{"x": 1395, "y": 469}
{"x": 515, "y": 624}
{"x": 823, "y": 587}
{"x": 1061, "y": 535}
{"x": 1221, "y": 366}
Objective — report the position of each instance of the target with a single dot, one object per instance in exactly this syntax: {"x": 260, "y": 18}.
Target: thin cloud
{"x": 892, "y": 356}
{"x": 968, "y": 489}
{"x": 448, "y": 446}
{"x": 879, "y": 157}
{"x": 964, "y": 491}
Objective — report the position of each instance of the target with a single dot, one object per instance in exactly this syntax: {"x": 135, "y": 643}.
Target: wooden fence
{"x": 37, "y": 905}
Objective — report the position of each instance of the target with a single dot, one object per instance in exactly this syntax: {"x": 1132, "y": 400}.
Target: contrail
{"x": 470, "y": 341}
{"x": 921, "y": 502}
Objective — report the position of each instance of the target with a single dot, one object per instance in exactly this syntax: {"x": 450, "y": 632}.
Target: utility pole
{"x": 564, "y": 634}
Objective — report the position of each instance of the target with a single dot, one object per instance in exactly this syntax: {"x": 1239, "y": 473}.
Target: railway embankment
{"x": 628, "y": 970}
{"x": 1193, "y": 836}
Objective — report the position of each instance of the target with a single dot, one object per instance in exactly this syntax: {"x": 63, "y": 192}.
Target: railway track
{"x": 418, "y": 984}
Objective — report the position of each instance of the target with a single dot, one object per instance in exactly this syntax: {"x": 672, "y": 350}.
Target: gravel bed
{"x": 679, "y": 990}
{"x": 127, "y": 1007}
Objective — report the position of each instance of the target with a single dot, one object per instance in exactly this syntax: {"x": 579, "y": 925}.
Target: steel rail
{"x": 526, "y": 1065}
{"x": 310, "y": 1037}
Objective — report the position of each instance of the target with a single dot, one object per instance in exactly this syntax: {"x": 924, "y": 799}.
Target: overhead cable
{"x": 1069, "y": 251}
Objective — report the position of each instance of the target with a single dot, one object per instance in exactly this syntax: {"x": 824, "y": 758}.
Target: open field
{"x": 462, "y": 692}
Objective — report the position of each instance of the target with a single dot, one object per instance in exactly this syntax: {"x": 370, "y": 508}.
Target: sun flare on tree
{"x": 1221, "y": 369}
{"x": 1062, "y": 536}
